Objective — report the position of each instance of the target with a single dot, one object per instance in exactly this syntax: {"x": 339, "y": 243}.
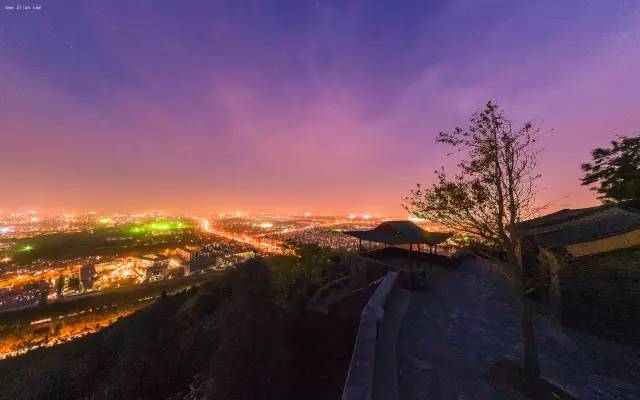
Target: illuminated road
{"x": 205, "y": 275}
{"x": 310, "y": 227}
{"x": 268, "y": 246}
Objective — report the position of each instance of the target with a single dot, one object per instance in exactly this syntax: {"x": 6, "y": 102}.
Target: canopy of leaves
{"x": 615, "y": 171}
{"x": 494, "y": 187}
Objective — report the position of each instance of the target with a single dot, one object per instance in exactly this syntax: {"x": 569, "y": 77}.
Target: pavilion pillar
{"x": 360, "y": 245}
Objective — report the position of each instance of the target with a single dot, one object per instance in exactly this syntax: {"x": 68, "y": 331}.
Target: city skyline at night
{"x": 290, "y": 107}
{"x": 320, "y": 199}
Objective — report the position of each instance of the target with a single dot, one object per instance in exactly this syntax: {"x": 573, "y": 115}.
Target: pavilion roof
{"x": 400, "y": 232}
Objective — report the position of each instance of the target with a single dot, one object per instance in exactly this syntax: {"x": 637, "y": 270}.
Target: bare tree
{"x": 494, "y": 190}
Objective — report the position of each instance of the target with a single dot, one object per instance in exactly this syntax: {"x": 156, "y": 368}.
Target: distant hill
{"x": 245, "y": 335}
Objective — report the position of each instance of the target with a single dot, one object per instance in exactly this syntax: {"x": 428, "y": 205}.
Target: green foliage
{"x": 615, "y": 171}
{"x": 42, "y": 300}
{"x": 74, "y": 283}
{"x": 295, "y": 277}
{"x": 252, "y": 360}
{"x": 59, "y": 285}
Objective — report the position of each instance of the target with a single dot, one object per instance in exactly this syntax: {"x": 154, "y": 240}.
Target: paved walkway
{"x": 453, "y": 330}
{"x": 385, "y": 385}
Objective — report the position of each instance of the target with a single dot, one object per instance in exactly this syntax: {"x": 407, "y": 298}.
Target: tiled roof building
{"x": 585, "y": 265}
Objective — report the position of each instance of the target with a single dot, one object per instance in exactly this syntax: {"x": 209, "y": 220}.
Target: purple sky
{"x": 296, "y": 106}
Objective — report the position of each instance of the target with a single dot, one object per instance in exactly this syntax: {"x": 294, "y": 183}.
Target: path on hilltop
{"x": 465, "y": 319}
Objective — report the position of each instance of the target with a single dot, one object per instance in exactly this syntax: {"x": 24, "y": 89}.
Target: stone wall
{"x": 360, "y": 378}
{"x": 601, "y": 294}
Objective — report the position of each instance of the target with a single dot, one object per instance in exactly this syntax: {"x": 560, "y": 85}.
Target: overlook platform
{"x": 443, "y": 338}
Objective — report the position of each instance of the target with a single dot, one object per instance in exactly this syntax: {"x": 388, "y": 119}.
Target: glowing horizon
{"x": 291, "y": 107}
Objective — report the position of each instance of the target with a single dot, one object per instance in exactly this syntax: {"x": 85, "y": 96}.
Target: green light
{"x": 159, "y": 226}
{"x": 26, "y": 248}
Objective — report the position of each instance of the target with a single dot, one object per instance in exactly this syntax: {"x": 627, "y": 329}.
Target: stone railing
{"x": 360, "y": 378}
{"x": 364, "y": 270}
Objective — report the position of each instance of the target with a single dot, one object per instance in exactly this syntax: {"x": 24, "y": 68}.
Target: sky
{"x": 293, "y": 106}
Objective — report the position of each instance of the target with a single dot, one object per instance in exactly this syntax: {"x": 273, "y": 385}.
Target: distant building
{"x": 185, "y": 255}
{"x": 156, "y": 272}
{"x": 150, "y": 259}
{"x": 233, "y": 259}
{"x": 71, "y": 285}
{"x": 586, "y": 267}
{"x": 199, "y": 264}
{"x": 107, "y": 266}
{"x": 87, "y": 275}
{"x": 153, "y": 266}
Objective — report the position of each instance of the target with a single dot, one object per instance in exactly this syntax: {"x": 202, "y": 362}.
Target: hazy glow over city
{"x": 307, "y": 106}
{"x": 320, "y": 199}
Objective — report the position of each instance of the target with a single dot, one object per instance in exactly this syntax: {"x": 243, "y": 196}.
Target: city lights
{"x": 128, "y": 234}
{"x": 134, "y": 250}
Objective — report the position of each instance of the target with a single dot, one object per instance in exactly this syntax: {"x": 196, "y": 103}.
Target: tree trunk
{"x": 531, "y": 365}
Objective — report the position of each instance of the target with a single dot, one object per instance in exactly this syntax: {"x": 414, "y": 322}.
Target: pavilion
{"x": 396, "y": 233}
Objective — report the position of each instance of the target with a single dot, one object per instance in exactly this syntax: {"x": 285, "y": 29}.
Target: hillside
{"x": 244, "y": 335}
